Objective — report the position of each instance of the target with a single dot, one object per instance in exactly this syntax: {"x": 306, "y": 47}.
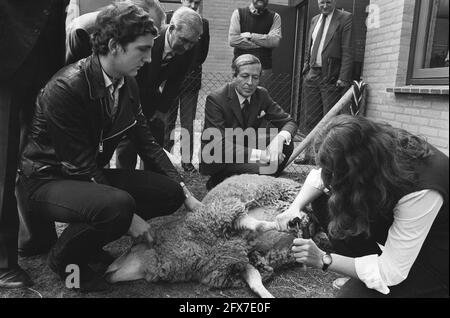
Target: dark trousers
{"x": 126, "y": 152}
{"x": 98, "y": 214}
{"x": 9, "y": 148}
{"x": 188, "y": 107}
{"x": 226, "y": 170}
{"x": 421, "y": 281}
{"x": 318, "y": 96}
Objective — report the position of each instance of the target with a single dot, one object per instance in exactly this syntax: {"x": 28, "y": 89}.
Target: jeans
{"x": 98, "y": 214}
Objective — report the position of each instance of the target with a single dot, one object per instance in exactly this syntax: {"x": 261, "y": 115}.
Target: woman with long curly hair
{"x": 382, "y": 195}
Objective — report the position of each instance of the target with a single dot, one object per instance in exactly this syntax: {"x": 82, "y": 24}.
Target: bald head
{"x": 186, "y": 27}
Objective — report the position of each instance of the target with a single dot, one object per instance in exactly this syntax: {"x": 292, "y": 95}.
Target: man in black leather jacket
{"x": 81, "y": 115}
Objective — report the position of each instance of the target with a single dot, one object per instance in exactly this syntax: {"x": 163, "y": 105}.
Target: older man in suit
{"x": 188, "y": 97}
{"x": 238, "y": 118}
{"x": 160, "y": 81}
{"x": 328, "y": 63}
{"x": 80, "y": 27}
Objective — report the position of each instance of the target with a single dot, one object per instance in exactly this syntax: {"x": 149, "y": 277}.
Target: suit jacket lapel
{"x": 233, "y": 102}
{"x": 334, "y": 24}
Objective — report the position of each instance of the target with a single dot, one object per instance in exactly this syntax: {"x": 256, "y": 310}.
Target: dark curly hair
{"x": 368, "y": 167}
{"x": 123, "y": 22}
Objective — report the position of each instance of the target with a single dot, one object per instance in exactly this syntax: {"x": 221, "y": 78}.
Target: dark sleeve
{"x": 308, "y": 49}
{"x": 204, "y": 47}
{"x": 215, "y": 119}
{"x": 347, "y": 49}
{"x": 277, "y": 116}
{"x": 69, "y": 133}
{"x": 78, "y": 46}
{"x": 173, "y": 85}
{"x": 150, "y": 151}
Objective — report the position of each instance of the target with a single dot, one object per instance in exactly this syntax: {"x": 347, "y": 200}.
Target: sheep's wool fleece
{"x": 202, "y": 246}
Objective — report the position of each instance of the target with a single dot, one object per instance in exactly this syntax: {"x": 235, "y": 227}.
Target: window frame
{"x": 421, "y": 27}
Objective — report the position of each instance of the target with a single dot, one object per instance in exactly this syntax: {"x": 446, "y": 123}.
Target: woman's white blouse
{"x": 414, "y": 215}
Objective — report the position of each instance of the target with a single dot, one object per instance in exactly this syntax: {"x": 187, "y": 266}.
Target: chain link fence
{"x": 306, "y": 107}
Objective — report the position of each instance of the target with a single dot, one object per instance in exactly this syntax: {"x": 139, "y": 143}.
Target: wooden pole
{"x": 332, "y": 113}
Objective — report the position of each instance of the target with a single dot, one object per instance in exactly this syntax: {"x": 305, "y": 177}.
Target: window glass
{"x": 436, "y": 54}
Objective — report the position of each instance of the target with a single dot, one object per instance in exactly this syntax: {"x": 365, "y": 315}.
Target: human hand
{"x": 283, "y": 219}
{"x": 265, "y": 157}
{"x": 140, "y": 231}
{"x": 246, "y": 35}
{"x": 275, "y": 149}
{"x": 342, "y": 84}
{"x": 192, "y": 204}
{"x": 306, "y": 252}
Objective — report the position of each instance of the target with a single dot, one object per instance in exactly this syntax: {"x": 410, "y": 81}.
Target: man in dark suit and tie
{"x": 238, "y": 118}
{"x": 328, "y": 63}
{"x": 160, "y": 81}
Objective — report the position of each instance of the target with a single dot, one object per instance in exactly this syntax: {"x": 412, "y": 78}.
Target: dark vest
{"x": 256, "y": 24}
{"x": 434, "y": 255}
{"x": 431, "y": 173}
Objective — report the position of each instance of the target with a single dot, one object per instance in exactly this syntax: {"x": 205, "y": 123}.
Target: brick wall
{"x": 386, "y": 63}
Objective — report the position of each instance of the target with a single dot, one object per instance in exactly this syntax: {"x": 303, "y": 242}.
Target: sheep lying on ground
{"x": 222, "y": 245}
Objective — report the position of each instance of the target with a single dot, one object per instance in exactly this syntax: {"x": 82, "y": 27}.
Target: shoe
{"x": 188, "y": 167}
{"x": 101, "y": 261}
{"x": 90, "y": 280}
{"x": 33, "y": 252}
{"x": 305, "y": 161}
{"x": 210, "y": 184}
{"x": 14, "y": 278}
{"x": 339, "y": 282}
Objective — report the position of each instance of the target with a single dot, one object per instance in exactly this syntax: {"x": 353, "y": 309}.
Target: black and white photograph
{"x": 223, "y": 154}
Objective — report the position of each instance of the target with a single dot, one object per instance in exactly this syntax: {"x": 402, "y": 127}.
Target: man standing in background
{"x": 256, "y": 30}
{"x": 189, "y": 95}
{"x": 160, "y": 80}
{"x": 32, "y": 50}
{"x": 328, "y": 64}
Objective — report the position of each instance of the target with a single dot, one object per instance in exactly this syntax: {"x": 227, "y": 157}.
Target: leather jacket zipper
{"x": 100, "y": 145}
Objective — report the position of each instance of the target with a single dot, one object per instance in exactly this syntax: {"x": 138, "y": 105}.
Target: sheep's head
{"x": 136, "y": 263}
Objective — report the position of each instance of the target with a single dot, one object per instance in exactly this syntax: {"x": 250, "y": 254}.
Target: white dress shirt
{"x": 414, "y": 215}
{"x": 324, "y": 35}
{"x": 113, "y": 91}
{"x": 256, "y": 153}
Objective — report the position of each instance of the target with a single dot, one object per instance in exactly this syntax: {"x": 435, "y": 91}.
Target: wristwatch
{"x": 327, "y": 260}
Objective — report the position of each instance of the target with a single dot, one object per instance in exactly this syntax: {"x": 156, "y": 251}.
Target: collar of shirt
{"x": 242, "y": 98}
{"x": 330, "y": 16}
{"x": 109, "y": 84}
{"x": 167, "y": 48}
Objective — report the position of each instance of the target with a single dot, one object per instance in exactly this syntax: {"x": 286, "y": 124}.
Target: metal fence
{"x": 307, "y": 111}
